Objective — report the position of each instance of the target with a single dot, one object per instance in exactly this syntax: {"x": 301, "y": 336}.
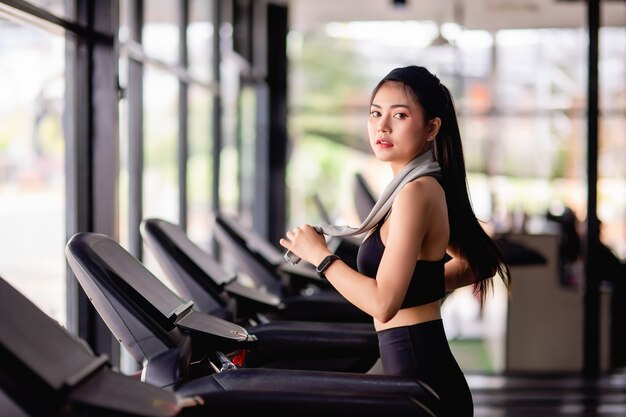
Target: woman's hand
{"x": 307, "y": 243}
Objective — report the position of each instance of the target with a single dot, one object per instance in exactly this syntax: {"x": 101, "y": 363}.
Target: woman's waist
{"x": 412, "y": 315}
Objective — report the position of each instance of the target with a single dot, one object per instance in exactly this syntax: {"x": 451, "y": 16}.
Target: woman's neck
{"x": 396, "y": 166}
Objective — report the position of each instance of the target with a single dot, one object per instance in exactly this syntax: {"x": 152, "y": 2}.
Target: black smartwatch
{"x": 325, "y": 264}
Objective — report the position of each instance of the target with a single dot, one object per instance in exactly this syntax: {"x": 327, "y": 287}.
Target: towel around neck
{"x": 420, "y": 166}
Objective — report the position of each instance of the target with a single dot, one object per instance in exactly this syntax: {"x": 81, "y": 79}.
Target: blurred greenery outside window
{"x": 521, "y": 111}
{"x": 200, "y": 34}
{"x": 160, "y": 168}
{"x": 33, "y": 115}
{"x": 230, "y": 155}
{"x": 199, "y": 166}
{"x": 160, "y": 176}
{"x": 160, "y": 41}
{"x": 247, "y": 146}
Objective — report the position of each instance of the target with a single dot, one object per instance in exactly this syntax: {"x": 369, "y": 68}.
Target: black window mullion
{"x": 92, "y": 153}
{"x": 135, "y": 133}
{"x": 591, "y": 324}
{"x": 183, "y": 112}
{"x": 276, "y": 44}
{"x": 216, "y": 117}
{"x": 77, "y": 169}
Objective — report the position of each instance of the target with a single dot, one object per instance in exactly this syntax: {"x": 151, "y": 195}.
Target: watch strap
{"x": 326, "y": 262}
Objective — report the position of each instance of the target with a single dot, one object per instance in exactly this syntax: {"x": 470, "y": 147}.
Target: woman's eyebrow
{"x": 393, "y": 106}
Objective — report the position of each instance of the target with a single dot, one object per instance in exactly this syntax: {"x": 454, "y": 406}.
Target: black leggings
{"x": 422, "y": 351}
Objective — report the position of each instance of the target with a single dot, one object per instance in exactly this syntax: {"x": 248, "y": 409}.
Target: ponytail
{"x": 467, "y": 236}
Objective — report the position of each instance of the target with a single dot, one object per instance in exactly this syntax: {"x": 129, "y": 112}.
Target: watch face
{"x": 323, "y": 264}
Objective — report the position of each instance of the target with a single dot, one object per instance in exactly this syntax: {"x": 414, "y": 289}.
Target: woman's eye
{"x": 375, "y": 113}
{"x": 400, "y": 116}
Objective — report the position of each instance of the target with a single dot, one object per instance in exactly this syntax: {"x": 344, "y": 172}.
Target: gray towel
{"x": 424, "y": 164}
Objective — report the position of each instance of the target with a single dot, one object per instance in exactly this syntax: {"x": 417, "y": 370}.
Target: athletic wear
{"x": 427, "y": 283}
{"x": 422, "y": 351}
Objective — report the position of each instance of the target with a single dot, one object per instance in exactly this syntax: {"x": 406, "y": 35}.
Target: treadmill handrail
{"x": 138, "y": 303}
{"x": 175, "y": 236}
{"x": 252, "y": 240}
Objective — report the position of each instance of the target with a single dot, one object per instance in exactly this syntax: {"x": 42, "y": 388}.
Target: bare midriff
{"x": 412, "y": 315}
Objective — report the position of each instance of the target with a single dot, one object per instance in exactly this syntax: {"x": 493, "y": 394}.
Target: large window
{"x": 166, "y": 148}
{"x": 112, "y": 113}
{"x": 33, "y": 114}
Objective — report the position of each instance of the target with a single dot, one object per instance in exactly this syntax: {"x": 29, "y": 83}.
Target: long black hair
{"x": 467, "y": 236}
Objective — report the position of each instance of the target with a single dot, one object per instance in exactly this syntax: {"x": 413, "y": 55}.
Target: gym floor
{"x": 549, "y": 395}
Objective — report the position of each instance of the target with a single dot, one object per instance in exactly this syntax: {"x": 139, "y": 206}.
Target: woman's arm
{"x": 381, "y": 297}
{"x": 457, "y": 272}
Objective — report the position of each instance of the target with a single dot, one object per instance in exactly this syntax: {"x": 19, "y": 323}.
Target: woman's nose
{"x": 383, "y": 125}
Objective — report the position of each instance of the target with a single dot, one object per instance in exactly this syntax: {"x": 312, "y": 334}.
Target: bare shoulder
{"x": 423, "y": 190}
{"x": 415, "y": 212}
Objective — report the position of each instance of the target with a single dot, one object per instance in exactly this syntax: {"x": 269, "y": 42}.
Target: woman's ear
{"x": 434, "y": 125}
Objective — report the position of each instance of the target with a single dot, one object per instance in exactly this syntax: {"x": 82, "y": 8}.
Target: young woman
{"x": 428, "y": 243}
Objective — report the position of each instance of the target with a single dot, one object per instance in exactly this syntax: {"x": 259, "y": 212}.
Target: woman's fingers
{"x": 302, "y": 241}
{"x": 290, "y": 236}
{"x": 296, "y": 233}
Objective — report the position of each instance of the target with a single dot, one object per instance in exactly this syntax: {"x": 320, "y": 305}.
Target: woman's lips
{"x": 383, "y": 143}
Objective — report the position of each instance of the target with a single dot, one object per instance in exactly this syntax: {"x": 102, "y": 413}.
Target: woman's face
{"x": 396, "y": 126}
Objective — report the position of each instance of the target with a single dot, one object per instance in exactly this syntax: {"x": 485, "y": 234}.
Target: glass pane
{"x": 32, "y": 164}
{"x": 248, "y": 148}
{"x": 160, "y": 171}
{"x": 199, "y": 166}
{"x": 200, "y": 40}
{"x": 229, "y": 157}
{"x": 541, "y": 69}
{"x": 160, "y": 30}
{"x": 160, "y": 176}
{"x": 612, "y": 151}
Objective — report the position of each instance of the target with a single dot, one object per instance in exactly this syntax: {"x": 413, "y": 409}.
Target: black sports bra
{"x": 427, "y": 283}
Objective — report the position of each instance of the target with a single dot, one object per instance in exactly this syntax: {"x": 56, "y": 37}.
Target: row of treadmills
{"x": 280, "y": 341}
{"x": 288, "y": 344}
